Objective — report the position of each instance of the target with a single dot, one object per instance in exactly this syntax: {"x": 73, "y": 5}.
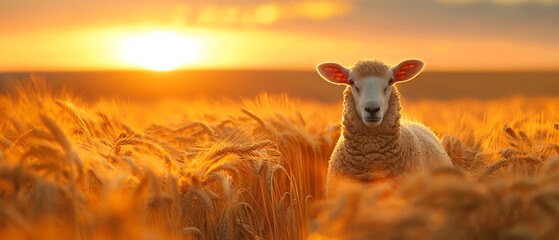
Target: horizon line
{"x": 258, "y": 70}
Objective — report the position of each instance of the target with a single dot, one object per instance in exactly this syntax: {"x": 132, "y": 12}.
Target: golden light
{"x": 160, "y": 50}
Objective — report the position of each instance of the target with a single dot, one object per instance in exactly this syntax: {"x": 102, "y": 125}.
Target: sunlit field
{"x": 255, "y": 169}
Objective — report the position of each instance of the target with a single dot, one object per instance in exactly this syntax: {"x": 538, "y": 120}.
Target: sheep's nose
{"x": 372, "y": 110}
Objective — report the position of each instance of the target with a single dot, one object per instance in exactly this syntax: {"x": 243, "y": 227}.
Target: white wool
{"x": 392, "y": 150}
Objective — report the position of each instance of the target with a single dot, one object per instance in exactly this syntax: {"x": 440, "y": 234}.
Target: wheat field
{"x": 255, "y": 169}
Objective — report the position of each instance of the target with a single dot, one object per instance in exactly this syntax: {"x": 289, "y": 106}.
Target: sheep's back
{"x": 423, "y": 148}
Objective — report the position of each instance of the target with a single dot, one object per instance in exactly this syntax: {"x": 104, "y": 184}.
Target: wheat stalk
{"x": 205, "y": 195}
{"x": 510, "y": 132}
{"x": 205, "y": 128}
{"x": 239, "y": 150}
{"x": 22, "y": 138}
{"x": 7, "y": 143}
{"x": 192, "y": 230}
{"x": 69, "y": 108}
{"x": 253, "y": 116}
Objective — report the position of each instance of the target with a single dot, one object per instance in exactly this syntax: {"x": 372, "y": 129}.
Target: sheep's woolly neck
{"x": 371, "y": 149}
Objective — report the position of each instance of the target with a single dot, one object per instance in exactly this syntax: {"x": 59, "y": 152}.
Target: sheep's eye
{"x": 352, "y": 83}
{"x": 391, "y": 81}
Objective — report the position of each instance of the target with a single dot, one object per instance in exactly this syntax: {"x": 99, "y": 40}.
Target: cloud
{"x": 502, "y": 2}
{"x": 262, "y": 13}
{"x": 319, "y": 10}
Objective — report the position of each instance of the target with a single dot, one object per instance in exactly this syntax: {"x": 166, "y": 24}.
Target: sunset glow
{"x": 160, "y": 50}
{"x": 292, "y": 35}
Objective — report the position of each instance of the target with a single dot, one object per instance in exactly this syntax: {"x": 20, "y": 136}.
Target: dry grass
{"x": 256, "y": 170}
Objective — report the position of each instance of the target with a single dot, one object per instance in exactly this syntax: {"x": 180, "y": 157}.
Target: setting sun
{"x": 160, "y": 50}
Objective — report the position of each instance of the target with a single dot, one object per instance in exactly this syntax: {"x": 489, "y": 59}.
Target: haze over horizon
{"x": 450, "y": 35}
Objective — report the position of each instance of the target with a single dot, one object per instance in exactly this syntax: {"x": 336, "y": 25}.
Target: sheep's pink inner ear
{"x": 407, "y": 70}
{"x": 333, "y": 72}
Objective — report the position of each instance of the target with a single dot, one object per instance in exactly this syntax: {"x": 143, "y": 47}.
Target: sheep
{"x": 374, "y": 145}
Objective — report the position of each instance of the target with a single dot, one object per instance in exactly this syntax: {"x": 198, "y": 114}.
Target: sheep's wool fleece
{"x": 389, "y": 151}
{"x": 366, "y": 149}
{"x": 373, "y": 67}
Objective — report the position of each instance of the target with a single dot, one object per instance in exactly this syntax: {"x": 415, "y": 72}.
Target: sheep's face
{"x": 371, "y": 84}
{"x": 371, "y": 95}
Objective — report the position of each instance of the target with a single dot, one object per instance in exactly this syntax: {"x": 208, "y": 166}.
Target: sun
{"x": 160, "y": 50}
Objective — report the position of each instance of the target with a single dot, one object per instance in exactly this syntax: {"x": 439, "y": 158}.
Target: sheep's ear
{"x": 407, "y": 70}
{"x": 334, "y": 73}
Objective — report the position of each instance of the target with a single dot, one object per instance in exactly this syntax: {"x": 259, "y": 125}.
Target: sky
{"x": 449, "y": 35}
